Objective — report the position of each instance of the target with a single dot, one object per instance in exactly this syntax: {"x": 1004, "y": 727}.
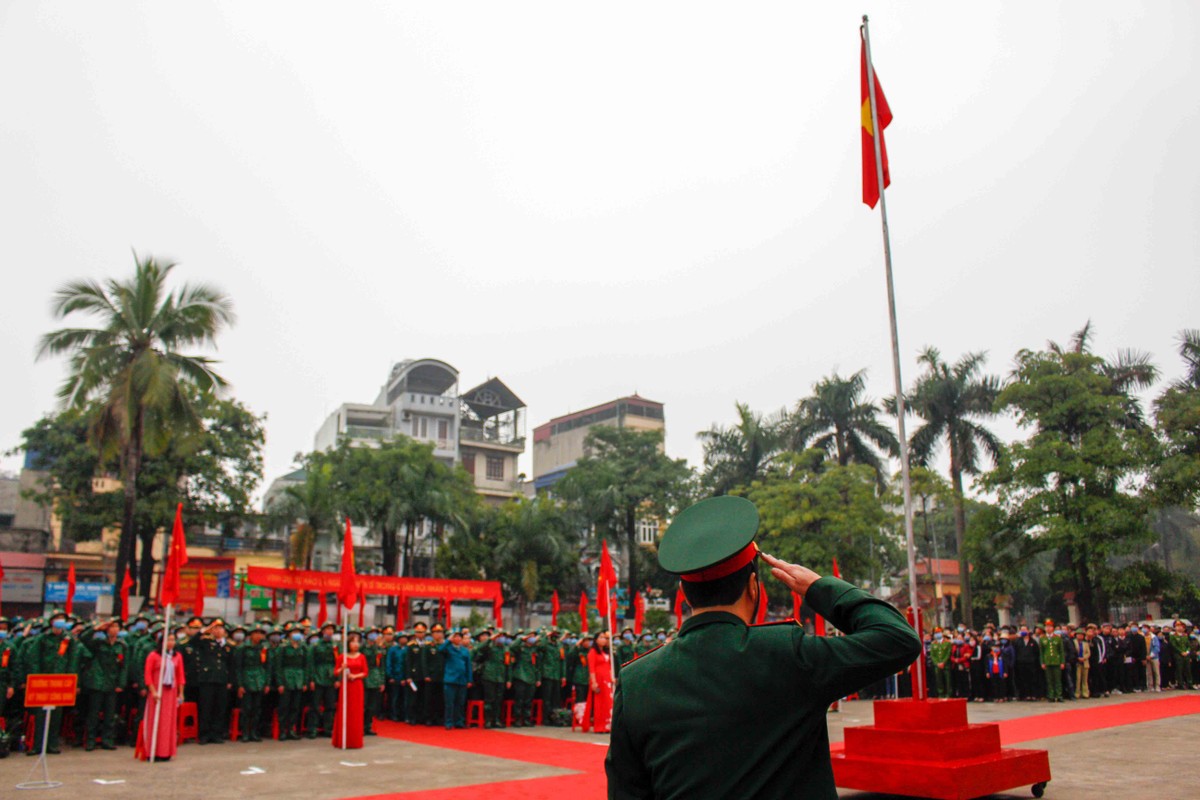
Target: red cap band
{"x": 726, "y": 567}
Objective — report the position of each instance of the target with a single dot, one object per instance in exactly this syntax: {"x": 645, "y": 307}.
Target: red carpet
{"x": 588, "y": 759}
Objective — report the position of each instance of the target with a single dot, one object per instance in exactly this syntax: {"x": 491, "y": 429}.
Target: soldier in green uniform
{"x": 526, "y": 677}
{"x": 104, "y": 678}
{"x": 435, "y": 674}
{"x": 292, "y": 672}
{"x": 577, "y": 667}
{"x": 8, "y": 672}
{"x": 414, "y": 670}
{"x": 1181, "y": 646}
{"x": 324, "y": 658}
{"x": 51, "y": 653}
{"x": 187, "y": 640}
{"x": 211, "y": 672}
{"x": 491, "y": 667}
{"x": 554, "y": 673}
{"x": 376, "y": 681}
{"x": 252, "y": 670}
{"x": 940, "y": 652}
{"x": 750, "y": 720}
{"x": 1054, "y": 664}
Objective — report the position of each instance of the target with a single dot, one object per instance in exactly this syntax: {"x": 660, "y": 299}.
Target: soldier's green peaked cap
{"x": 710, "y": 539}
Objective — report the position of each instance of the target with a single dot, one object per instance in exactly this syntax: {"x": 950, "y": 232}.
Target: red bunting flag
{"x": 498, "y": 611}
{"x": 639, "y": 613}
{"x": 797, "y": 604}
{"x": 678, "y": 609}
{"x": 606, "y": 581}
{"x": 870, "y": 176}
{"x": 362, "y": 606}
{"x": 322, "y": 612}
{"x": 446, "y": 609}
{"x": 348, "y": 587}
{"x": 177, "y": 558}
{"x": 126, "y": 587}
{"x": 837, "y": 573}
{"x": 583, "y": 606}
{"x": 70, "y": 588}
{"x": 819, "y": 625}
{"x": 554, "y": 608}
{"x": 200, "y": 591}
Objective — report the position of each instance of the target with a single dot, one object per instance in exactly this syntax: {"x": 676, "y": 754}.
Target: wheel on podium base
{"x": 1038, "y": 789}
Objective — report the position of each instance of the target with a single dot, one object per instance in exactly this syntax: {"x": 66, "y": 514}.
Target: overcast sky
{"x": 592, "y": 200}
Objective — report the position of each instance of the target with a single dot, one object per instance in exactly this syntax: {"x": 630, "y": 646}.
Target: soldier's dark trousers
{"x": 1183, "y": 672}
{"x": 493, "y": 703}
{"x": 395, "y": 700}
{"x": 210, "y": 708}
{"x": 1096, "y": 681}
{"x": 40, "y": 726}
{"x": 455, "y": 711}
{"x": 414, "y": 705}
{"x": 434, "y": 703}
{"x": 249, "y": 714}
{"x": 372, "y": 704}
{"x": 325, "y": 699}
{"x": 1027, "y": 679}
{"x": 289, "y": 711}
{"x": 945, "y": 687}
{"x": 522, "y": 702}
{"x": 581, "y": 691}
{"x": 1054, "y": 675}
{"x": 101, "y": 703}
{"x": 551, "y": 697}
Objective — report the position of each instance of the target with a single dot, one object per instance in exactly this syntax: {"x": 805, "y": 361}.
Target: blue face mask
{"x": 372, "y": 637}
{"x": 60, "y": 624}
{"x": 99, "y": 635}
{"x": 274, "y": 637}
{"x": 627, "y": 637}
{"x": 139, "y": 626}
{"x": 937, "y": 637}
{"x": 121, "y": 634}
{"x": 662, "y": 637}
{"x": 34, "y": 631}
{"x": 239, "y": 636}
{"x": 3, "y": 635}
{"x": 297, "y": 637}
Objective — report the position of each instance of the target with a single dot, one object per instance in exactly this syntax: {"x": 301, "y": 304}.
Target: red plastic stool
{"x": 537, "y": 712}
{"x": 189, "y": 723}
{"x": 508, "y": 704}
{"x": 234, "y": 717}
{"x": 475, "y": 714}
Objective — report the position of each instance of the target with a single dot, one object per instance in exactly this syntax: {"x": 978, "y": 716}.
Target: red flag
{"x": 837, "y": 573}
{"x": 797, "y": 604}
{"x": 605, "y": 581}
{"x": 446, "y": 609}
{"x": 870, "y": 172}
{"x": 760, "y": 615}
{"x": 200, "y": 590}
{"x": 126, "y": 586}
{"x": 169, "y": 592}
{"x": 348, "y": 588}
{"x": 401, "y": 611}
{"x": 583, "y": 604}
{"x": 602, "y": 599}
{"x": 607, "y": 573}
{"x": 70, "y": 588}
{"x": 275, "y": 604}
{"x": 819, "y": 625}
{"x": 339, "y": 614}
{"x": 678, "y": 609}
{"x": 362, "y": 606}
{"x": 554, "y": 608}
{"x": 498, "y": 610}
{"x": 323, "y": 612}
{"x": 242, "y": 596}
{"x": 639, "y": 612}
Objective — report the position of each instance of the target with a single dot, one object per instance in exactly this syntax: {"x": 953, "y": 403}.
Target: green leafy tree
{"x": 625, "y": 477}
{"x": 813, "y": 511}
{"x": 1073, "y": 485}
{"x": 132, "y": 366}
{"x": 952, "y": 399}
{"x": 838, "y": 420}
{"x": 740, "y": 454}
{"x": 1176, "y": 478}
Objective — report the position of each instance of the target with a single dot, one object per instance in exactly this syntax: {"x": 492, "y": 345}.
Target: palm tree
{"x": 739, "y": 455}
{"x": 1130, "y": 371}
{"x": 838, "y": 420}
{"x": 131, "y": 364}
{"x": 1189, "y": 349}
{"x": 951, "y": 398}
{"x": 532, "y": 534}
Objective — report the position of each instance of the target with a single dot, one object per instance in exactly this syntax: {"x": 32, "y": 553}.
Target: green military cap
{"x": 3, "y": 620}
{"x": 479, "y": 634}
{"x": 197, "y": 620}
{"x": 710, "y": 539}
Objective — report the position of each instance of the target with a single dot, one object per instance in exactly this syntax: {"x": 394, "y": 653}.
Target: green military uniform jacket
{"x": 553, "y": 660}
{"x": 8, "y": 666}
{"x": 1051, "y": 649}
{"x": 252, "y": 666}
{"x": 324, "y": 660}
{"x": 1180, "y": 643}
{"x": 376, "y": 666}
{"x": 107, "y": 667}
{"x": 291, "y": 667}
{"x": 940, "y": 652}
{"x": 137, "y": 647}
{"x": 433, "y": 663}
{"x": 414, "y": 663}
{"x": 526, "y": 666}
{"x": 49, "y": 654}
{"x": 491, "y": 663}
{"x": 577, "y": 666}
{"x": 210, "y": 661}
{"x": 749, "y": 718}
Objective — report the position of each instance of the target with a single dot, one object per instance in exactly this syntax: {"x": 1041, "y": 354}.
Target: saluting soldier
{"x": 1053, "y": 664}
{"x": 577, "y": 672}
{"x": 104, "y": 679}
{"x": 526, "y": 677}
{"x": 1181, "y": 647}
{"x": 375, "y": 682}
{"x": 397, "y": 680}
{"x": 435, "y": 675}
{"x": 292, "y": 671}
{"x": 8, "y": 670}
{"x": 554, "y": 672}
{"x": 325, "y": 695}
{"x": 252, "y": 670}
{"x": 754, "y": 726}
{"x": 51, "y": 653}
{"x": 492, "y": 667}
{"x": 210, "y": 660}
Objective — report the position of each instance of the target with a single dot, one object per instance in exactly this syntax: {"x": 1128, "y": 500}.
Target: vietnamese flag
{"x": 323, "y": 612}
{"x": 348, "y": 587}
{"x": 554, "y": 608}
{"x": 797, "y": 604}
{"x": 639, "y": 613}
{"x": 70, "y": 588}
{"x": 126, "y": 587}
{"x": 242, "y": 596}
{"x": 678, "y": 609}
{"x": 275, "y": 604}
{"x": 177, "y": 557}
{"x": 362, "y": 607}
{"x": 870, "y": 177}
{"x": 583, "y": 604}
{"x": 498, "y": 610}
{"x": 837, "y": 573}
{"x": 606, "y": 580}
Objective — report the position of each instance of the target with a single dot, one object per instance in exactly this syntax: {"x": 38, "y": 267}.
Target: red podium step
{"x": 926, "y": 748}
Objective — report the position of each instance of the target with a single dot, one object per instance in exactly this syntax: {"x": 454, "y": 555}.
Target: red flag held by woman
{"x": 554, "y": 608}
{"x": 348, "y": 586}
{"x": 583, "y": 605}
{"x": 70, "y": 588}
{"x": 169, "y": 589}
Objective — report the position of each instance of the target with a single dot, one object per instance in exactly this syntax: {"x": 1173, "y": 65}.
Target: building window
{"x": 495, "y": 468}
{"x": 647, "y": 531}
{"x": 469, "y": 463}
{"x": 443, "y": 430}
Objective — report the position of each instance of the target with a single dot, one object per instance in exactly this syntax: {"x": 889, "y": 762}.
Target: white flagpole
{"x": 162, "y": 674}
{"x": 345, "y": 674}
{"x": 918, "y": 690}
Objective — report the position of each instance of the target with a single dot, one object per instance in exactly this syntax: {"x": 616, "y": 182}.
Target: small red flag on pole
{"x": 870, "y": 176}
{"x": 126, "y": 588}
{"x": 348, "y": 586}
{"x": 242, "y": 596}
{"x": 200, "y": 591}
{"x": 322, "y": 612}
{"x": 275, "y": 604}
{"x": 583, "y": 606}
{"x": 362, "y": 607}
{"x": 169, "y": 593}
{"x": 70, "y": 588}
{"x": 554, "y": 608}
{"x": 639, "y": 612}
{"x": 498, "y": 610}
{"x": 678, "y": 609}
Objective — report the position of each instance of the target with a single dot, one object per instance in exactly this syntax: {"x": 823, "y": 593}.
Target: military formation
{"x": 1056, "y": 662}
{"x": 268, "y": 680}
